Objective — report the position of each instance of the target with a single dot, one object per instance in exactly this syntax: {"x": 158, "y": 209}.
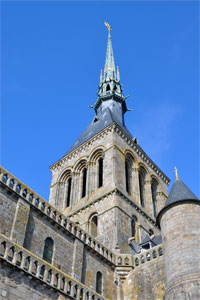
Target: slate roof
{"x": 179, "y": 193}
{"x": 100, "y": 122}
{"x": 156, "y": 240}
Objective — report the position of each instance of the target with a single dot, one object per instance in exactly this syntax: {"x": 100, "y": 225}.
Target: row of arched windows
{"x": 129, "y": 161}
{"x": 67, "y": 180}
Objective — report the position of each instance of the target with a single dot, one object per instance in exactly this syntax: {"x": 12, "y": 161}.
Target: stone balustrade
{"x": 128, "y": 260}
{"x": 25, "y": 260}
{"x": 54, "y": 215}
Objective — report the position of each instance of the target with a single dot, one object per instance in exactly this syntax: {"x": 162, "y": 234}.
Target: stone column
{"x": 20, "y": 222}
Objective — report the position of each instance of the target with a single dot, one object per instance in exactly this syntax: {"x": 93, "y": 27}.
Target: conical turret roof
{"x": 179, "y": 193}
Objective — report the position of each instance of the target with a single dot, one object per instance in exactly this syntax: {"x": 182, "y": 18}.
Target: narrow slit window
{"x": 94, "y": 226}
{"x": 154, "y": 186}
{"x": 100, "y": 167}
{"x": 142, "y": 175}
{"x": 69, "y": 185}
{"x": 127, "y": 176}
{"x": 84, "y": 181}
{"x": 99, "y": 283}
{"x": 48, "y": 250}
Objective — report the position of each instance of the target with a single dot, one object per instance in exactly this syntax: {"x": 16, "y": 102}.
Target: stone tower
{"x": 106, "y": 182}
{"x": 180, "y": 227}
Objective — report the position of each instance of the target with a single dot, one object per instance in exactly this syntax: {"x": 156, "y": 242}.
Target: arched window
{"x": 99, "y": 283}
{"x": 84, "y": 182}
{"x": 48, "y": 250}
{"x": 100, "y": 172}
{"x": 108, "y": 88}
{"x": 127, "y": 177}
{"x": 94, "y": 225}
{"x": 154, "y": 186}
{"x": 133, "y": 225}
{"x": 142, "y": 176}
{"x": 128, "y": 172}
{"x": 69, "y": 186}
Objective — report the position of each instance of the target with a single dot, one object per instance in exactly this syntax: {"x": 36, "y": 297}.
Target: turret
{"x": 180, "y": 226}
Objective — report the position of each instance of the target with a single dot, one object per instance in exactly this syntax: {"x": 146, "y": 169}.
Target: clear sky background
{"x": 52, "y": 53}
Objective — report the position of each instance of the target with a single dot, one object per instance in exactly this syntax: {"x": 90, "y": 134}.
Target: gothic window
{"x": 142, "y": 176}
{"x": 84, "y": 182}
{"x": 48, "y": 250}
{"x": 128, "y": 172}
{"x": 133, "y": 225}
{"x": 94, "y": 225}
{"x": 100, "y": 172}
{"x": 69, "y": 185}
{"x": 154, "y": 186}
{"x": 99, "y": 283}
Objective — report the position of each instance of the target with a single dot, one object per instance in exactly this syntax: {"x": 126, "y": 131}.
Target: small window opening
{"x": 84, "y": 181}
{"x": 133, "y": 226}
{"x": 154, "y": 186}
{"x": 107, "y": 88}
{"x": 100, "y": 167}
{"x": 48, "y": 250}
{"x": 99, "y": 283}
{"x": 142, "y": 175}
{"x": 94, "y": 225}
{"x": 127, "y": 176}
{"x": 69, "y": 185}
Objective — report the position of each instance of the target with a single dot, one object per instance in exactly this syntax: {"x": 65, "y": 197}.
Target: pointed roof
{"x": 101, "y": 121}
{"x": 110, "y": 105}
{"x": 109, "y": 69}
{"x": 179, "y": 193}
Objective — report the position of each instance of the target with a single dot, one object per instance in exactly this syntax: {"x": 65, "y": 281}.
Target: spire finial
{"x": 176, "y": 173}
{"x": 108, "y": 26}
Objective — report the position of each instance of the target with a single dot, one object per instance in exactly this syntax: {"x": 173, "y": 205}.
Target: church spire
{"x": 110, "y": 78}
{"x": 109, "y": 73}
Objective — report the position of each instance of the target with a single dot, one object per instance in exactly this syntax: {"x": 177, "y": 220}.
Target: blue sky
{"x": 52, "y": 53}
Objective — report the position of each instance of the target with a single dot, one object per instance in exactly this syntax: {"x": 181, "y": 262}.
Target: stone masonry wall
{"x": 15, "y": 285}
{"x": 180, "y": 227}
{"x": 146, "y": 282}
{"x": 8, "y": 206}
{"x": 71, "y": 255}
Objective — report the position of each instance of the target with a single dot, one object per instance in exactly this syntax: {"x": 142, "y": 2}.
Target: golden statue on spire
{"x": 108, "y": 26}
{"x": 176, "y": 173}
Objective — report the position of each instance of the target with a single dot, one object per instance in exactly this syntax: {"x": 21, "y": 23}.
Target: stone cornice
{"x": 116, "y": 128}
{"x": 124, "y": 197}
